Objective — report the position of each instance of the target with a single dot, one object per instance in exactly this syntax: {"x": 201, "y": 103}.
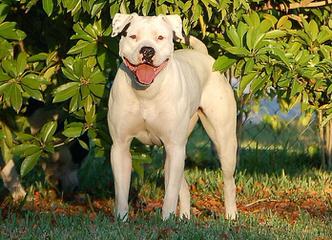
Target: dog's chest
{"x": 151, "y": 129}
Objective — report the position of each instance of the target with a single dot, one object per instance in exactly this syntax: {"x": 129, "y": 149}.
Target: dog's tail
{"x": 196, "y": 44}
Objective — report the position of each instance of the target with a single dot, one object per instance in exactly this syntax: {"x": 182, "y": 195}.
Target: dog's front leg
{"x": 121, "y": 167}
{"x": 174, "y": 167}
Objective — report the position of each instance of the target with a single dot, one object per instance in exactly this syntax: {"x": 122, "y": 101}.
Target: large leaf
{"x": 34, "y": 93}
{"x": 73, "y": 130}
{"x": 21, "y": 62}
{"x": 245, "y": 80}
{"x": 66, "y": 91}
{"x": 15, "y": 97}
{"x": 25, "y": 149}
{"x": 239, "y": 51}
{"x": 48, "y": 131}
{"x": 48, "y": 6}
{"x": 223, "y": 63}
{"x": 31, "y": 81}
{"x": 233, "y": 36}
{"x": 8, "y": 31}
{"x": 4, "y": 9}
{"x": 29, "y": 163}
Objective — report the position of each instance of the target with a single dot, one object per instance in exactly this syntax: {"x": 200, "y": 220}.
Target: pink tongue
{"x": 146, "y": 73}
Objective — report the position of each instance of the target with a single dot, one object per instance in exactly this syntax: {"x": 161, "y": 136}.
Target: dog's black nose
{"x": 148, "y": 53}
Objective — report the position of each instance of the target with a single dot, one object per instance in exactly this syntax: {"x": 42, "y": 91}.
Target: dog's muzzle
{"x": 145, "y": 72}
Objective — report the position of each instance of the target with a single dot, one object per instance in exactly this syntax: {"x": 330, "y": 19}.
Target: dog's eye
{"x": 160, "y": 37}
{"x": 132, "y": 36}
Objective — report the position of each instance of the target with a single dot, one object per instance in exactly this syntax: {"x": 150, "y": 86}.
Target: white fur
{"x": 166, "y": 111}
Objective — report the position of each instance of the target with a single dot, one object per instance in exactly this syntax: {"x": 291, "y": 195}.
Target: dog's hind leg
{"x": 218, "y": 116}
{"x": 184, "y": 200}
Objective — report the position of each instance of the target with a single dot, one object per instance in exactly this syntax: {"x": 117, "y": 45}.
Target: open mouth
{"x": 145, "y": 73}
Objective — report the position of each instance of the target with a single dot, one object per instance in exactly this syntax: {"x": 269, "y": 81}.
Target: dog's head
{"x": 146, "y": 42}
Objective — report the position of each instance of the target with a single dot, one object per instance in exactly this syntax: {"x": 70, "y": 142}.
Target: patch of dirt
{"x": 202, "y": 205}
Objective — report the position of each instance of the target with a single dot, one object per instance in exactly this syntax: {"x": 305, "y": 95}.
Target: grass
{"x": 271, "y": 206}
{"x": 280, "y": 195}
{"x": 46, "y": 226}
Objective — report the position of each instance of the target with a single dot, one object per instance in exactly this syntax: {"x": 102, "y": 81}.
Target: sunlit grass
{"x": 280, "y": 195}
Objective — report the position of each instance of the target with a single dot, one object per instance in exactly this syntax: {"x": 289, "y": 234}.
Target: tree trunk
{"x": 8, "y": 172}
{"x": 325, "y": 136}
{"x": 329, "y": 145}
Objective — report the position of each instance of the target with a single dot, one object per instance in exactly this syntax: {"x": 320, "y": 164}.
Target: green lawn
{"x": 281, "y": 205}
{"x": 46, "y": 226}
{"x": 281, "y": 195}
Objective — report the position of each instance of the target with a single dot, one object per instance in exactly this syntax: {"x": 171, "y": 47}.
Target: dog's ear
{"x": 120, "y": 21}
{"x": 176, "y": 24}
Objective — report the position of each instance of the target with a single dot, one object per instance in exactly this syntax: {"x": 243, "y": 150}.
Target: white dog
{"x": 157, "y": 97}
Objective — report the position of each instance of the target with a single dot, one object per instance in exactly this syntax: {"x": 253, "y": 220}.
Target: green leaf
{"x": 48, "y": 7}
{"x": 324, "y": 35}
{"x": 251, "y": 37}
{"x": 90, "y": 110}
{"x": 78, "y": 48}
{"x": 97, "y": 77}
{"x": 20, "y": 136}
{"x": 239, "y": 51}
{"x": 249, "y": 65}
{"x": 31, "y": 82}
{"x": 66, "y": 91}
{"x": 146, "y": 7}
{"x": 34, "y": 93}
{"x": 69, "y": 73}
{"x": 83, "y": 144}
{"x": 73, "y": 130}
{"x": 223, "y": 63}
{"x": 48, "y": 131}
{"x": 89, "y": 50}
{"x": 8, "y": 31}
{"x": 279, "y": 54}
{"x": 78, "y": 67}
{"x": 15, "y": 97}
{"x": 312, "y": 30}
{"x": 10, "y": 67}
{"x": 275, "y": 34}
{"x": 242, "y": 29}
{"x": 97, "y": 7}
{"x": 37, "y": 57}
{"x": 25, "y": 149}
{"x": 284, "y": 23}
{"x": 270, "y": 18}
{"x": 97, "y": 89}
{"x": 252, "y": 19}
{"x": 4, "y": 9}
{"x": 257, "y": 84}
{"x": 8, "y": 136}
{"x": 233, "y": 36}
{"x": 29, "y": 163}
{"x": 74, "y": 103}
{"x": 296, "y": 88}
{"x": 85, "y": 92}
{"x": 4, "y": 87}
{"x": 245, "y": 80}
{"x": 114, "y": 9}
{"x": 4, "y": 77}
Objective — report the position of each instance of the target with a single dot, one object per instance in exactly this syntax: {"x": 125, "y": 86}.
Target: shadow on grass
{"x": 276, "y": 162}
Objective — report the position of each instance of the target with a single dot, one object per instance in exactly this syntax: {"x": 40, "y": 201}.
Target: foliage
{"x": 60, "y": 52}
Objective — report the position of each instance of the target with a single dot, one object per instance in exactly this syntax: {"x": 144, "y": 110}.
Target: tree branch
{"x": 303, "y": 4}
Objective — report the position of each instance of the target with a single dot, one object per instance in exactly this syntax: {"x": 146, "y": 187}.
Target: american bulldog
{"x": 157, "y": 96}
